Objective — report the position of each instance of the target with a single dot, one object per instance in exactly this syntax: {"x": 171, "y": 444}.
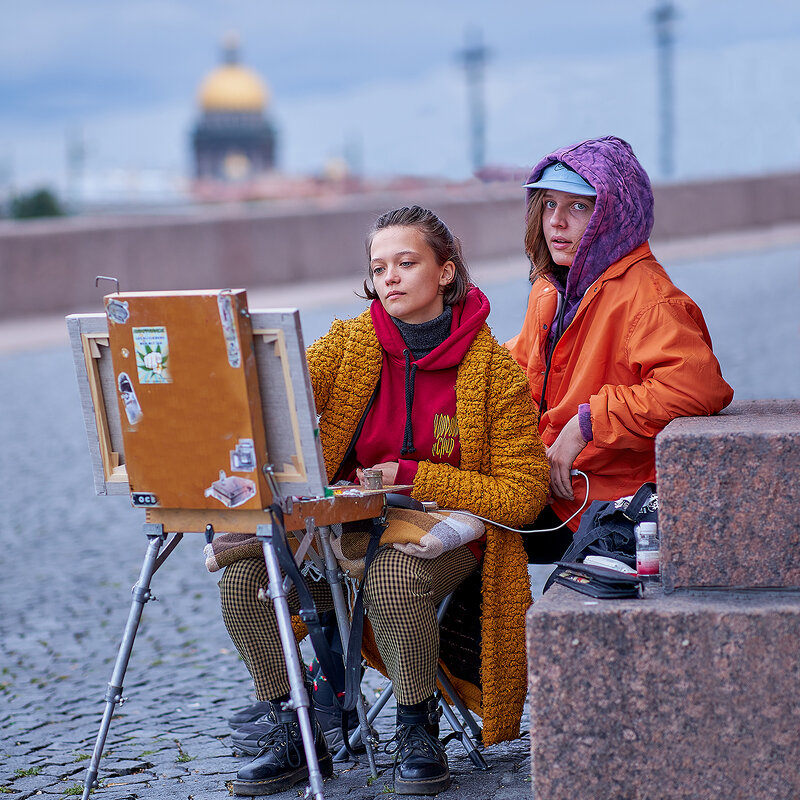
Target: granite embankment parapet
{"x": 682, "y": 696}
{"x": 51, "y": 265}
{"x": 690, "y": 693}
{"x": 729, "y": 497}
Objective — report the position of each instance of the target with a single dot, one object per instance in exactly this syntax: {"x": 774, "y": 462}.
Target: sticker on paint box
{"x": 231, "y": 491}
{"x": 144, "y": 499}
{"x": 117, "y": 311}
{"x": 243, "y": 456}
{"x": 133, "y": 411}
{"x": 152, "y": 355}
{"x": 225, "y": 304}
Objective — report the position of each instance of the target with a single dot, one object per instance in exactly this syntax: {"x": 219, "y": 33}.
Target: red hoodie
{"x": 426, "y": 386}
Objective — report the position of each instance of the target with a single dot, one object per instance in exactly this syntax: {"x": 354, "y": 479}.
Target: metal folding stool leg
{"x": 472, "y": 751}
{"x": 454, "y": 696}
{"x": 459, "y": 730}
{"x": 334, "y": 577}
{"x": 456, "y": 700}
{"x": 447, "y": 712}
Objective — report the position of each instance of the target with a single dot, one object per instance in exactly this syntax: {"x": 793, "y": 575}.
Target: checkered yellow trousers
{"x": 400, "y": 600}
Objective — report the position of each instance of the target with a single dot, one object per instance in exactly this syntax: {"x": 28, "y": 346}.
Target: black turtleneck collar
{"x": 424, "y": 337}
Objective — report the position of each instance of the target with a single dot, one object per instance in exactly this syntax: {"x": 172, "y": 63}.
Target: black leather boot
{"x": 249, "y": 737}
{"x": 420, "y": 760}
{"x": 282, "y": 761}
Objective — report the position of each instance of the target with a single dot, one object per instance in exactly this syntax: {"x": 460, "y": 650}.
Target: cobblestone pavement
{"x": 70, "y": 559}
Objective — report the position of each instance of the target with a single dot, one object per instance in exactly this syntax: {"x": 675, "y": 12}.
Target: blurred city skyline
{"x": 384, "y": 88}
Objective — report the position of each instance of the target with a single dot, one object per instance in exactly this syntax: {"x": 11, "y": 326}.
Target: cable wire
{"x": 529, "y": 530}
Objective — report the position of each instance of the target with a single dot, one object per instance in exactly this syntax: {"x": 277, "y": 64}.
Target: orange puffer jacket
{"x": 638, "y": 351}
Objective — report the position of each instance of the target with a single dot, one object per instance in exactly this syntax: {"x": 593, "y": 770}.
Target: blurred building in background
{"x": 234, "y": 147}
{"x": 234, "y": 139}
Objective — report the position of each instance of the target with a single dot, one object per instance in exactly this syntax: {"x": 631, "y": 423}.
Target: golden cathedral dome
{"x": 231, "y": 86}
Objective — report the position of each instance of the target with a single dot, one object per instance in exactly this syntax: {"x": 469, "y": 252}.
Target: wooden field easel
{"x": 202, "y": 411}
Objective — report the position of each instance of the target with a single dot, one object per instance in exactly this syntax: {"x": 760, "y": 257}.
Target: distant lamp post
{"x": 473, "y": 58}
{"x": 76, "y": 168}
{"x": 664, "y": 18}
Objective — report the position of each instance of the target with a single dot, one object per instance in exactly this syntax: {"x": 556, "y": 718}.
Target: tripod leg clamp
{"x": 114, "y": 695}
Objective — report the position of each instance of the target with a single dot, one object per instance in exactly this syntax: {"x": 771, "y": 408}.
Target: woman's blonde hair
{"x": 535, "y": 242}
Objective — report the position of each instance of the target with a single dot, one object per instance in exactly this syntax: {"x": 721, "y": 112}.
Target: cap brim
{"x": 563, "y": 186}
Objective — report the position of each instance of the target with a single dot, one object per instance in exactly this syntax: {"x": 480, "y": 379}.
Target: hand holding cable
{"x": 561, "y": 455}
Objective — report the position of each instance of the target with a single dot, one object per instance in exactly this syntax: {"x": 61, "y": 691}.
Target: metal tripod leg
{"x": 334, "y": 577}
{"x": 299, "y": 695}
{"x": 141, "y": 594}
{"x": 472, "y": 751}
{"x": 373, "y": 712}
{"x": 464, "y": 737}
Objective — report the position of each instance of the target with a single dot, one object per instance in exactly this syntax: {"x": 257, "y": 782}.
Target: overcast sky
{"x": 382, "y": 83}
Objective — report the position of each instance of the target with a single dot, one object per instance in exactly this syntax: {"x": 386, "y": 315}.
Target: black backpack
{"x": 606, "y": 528}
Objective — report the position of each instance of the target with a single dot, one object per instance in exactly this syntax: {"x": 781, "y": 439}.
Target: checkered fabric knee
{"x": 252, "y": 625}
{"x": 400, "y": 599}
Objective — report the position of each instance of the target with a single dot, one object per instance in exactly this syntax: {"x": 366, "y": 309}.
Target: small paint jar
{"x": 373, "y": 478}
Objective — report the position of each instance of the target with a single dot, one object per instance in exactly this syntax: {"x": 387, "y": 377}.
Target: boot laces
{"x": 412, "y": 738}
{"x": 279, "y": 739}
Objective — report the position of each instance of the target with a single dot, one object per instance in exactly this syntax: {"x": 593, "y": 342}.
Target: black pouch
{"x": 599, "y": 582}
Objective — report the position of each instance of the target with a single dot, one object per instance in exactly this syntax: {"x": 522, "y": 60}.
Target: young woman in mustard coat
{"x": 418, "y": 387}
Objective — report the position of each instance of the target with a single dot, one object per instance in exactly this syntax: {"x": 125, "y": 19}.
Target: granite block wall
{"x": 687, "y": 697}
{"x": 689, "y": 692}
{"x": 729, "y": 497}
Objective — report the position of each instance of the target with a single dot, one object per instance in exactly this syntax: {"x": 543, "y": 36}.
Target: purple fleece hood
{"x": 623, "y": 212}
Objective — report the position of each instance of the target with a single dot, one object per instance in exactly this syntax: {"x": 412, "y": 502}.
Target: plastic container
{"x": 648, "y": 552}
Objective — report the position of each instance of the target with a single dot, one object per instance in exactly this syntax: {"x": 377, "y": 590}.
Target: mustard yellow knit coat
{"x": 503, "y": 475}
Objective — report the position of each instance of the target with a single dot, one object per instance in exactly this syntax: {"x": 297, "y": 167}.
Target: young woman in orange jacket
{"x": 612, "y": 348}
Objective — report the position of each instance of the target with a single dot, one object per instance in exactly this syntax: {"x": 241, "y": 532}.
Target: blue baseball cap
{"x": 560, "y": 177}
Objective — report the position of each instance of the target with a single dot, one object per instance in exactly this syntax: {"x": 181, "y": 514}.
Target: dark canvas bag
{"x": 606, "y": 528}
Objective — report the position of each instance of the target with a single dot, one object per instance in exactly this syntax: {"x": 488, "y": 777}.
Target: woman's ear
{"x": 447, "y": 274}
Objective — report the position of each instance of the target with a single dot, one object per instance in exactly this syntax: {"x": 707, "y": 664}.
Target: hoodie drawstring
{"x": 408, "y": 436}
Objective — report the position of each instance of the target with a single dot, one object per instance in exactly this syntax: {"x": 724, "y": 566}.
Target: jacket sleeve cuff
{"x": 585, "y": 421}
{"x": 406, "y": 471}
